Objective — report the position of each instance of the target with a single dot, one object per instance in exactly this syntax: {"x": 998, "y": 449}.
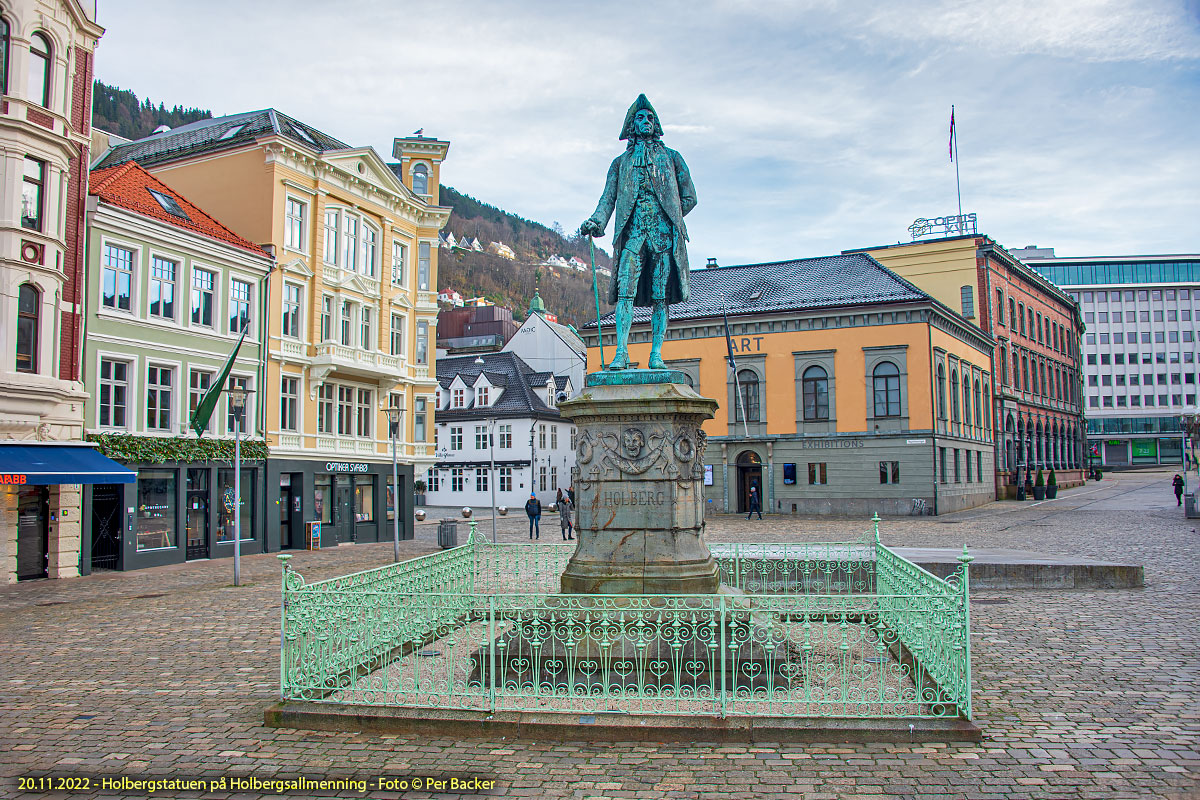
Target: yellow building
{"x": 854, "y": 392}
{"x": 350, "y": 309}
{"x": 1036, "y": 327}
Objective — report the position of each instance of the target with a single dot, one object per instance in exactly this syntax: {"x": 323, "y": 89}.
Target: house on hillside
{"x": 556, "y": 261}
{"x": 502, "y": 250}
{"x": 451, "y": 297}
{"x": 446, "y": 240}
{"x": 575, "y": 262}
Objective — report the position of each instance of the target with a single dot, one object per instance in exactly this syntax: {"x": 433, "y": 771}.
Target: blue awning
{"x": 52, "y": 463}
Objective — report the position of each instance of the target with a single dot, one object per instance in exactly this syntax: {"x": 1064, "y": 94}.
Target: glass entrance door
{"x": 106, "y": 526}
{"x": 33, "y": 529}
{"x": 197, "y": 514}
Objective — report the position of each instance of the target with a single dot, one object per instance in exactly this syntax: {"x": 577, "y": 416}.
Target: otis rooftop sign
{"x": 954, "y": 225}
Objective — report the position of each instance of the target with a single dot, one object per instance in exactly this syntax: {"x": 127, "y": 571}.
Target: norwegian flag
{"x": 951, "y": 133}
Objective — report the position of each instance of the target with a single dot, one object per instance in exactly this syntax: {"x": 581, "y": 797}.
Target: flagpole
{"x": 954, "y": 145}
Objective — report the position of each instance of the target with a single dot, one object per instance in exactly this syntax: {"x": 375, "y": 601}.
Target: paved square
{"x": 1081, "y": 694}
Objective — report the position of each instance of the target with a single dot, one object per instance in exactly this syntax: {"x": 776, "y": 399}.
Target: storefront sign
{"x": 952, "y": 225}
{"x": 345, "y": 466}
{"x": 831, "y": 444}
{"x": 12, "y": 480}
{"x": 1145, "y": 448}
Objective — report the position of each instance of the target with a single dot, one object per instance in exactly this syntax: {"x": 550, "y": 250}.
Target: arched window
{"x": 1025, "y": 372}
{"x": 1003, "y": 366}
{"x": 887, "y": 389}
{"x": 816, "y": 393}
{"x": 966, "y": 383}
{"x": 39, "y": 70}
{"x": 420, "y": 179}
{"x": 941, "y": 391}
{"x": 1016, "y": 374}
{"x": 987, "y": 408}
{"x": 954, "y": 395}
{"x": 1042, "y": 372}
{"x": 748, "y": 408}
{"x": 978, "y": 406}
{"x": 4, "y": 42}
{"x": 28, "y": 306}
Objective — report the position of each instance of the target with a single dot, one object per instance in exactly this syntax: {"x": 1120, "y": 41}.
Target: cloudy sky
{"x": 810, "y": 126}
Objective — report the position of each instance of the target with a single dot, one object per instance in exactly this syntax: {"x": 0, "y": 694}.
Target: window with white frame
{"x": 423, "y": 266}
{"x": 481, "y": 439}
{"x": 370, "y": 250}
{"x": 456, "y": 479}
{"x": 553, "y": 437}
{"x": 199, "y": 382}
{"x": 542, "y": 478}
{"x": 542, "y": 438}
{"x": 505, "y": 436}
{"x": 420, "y": 179}
{"x": 295, "y": 220}
{"x": 458, "y": 398}
{"x": 345, "y": 410}
{"x": 399, "y": 254}
{"x": 481, "y": 396}
{"x": 326, "y": 318}
{"x": 114, "y": 393}
{"x": 331, "y": 236}
{"x": 349, "y": 255}
{"x": 433, "y": 481}
{"x": 239, "y": 305}
{"x": 326, "y": 418}
{"x": 291, "y": 311}
{"x": 347, "y": 323}
{"x": 553, "y": 478}
{"x": 574, "y": 438}
{"x": 162, "y": 287}
{"x": 247, "y": 415}
{"x": 456, "y": 438}
{"x": 117, "y": 278}
{"x": 365, "y": 412}
{"x": 365, "y": 339}
{"x": 422, "y": 349}
{"x": 397, "y": 337}
{"x": 506, "y": 476}
{"x": 289, "y": 390}
{"x": 419, "y": 420}
{"x": 203, "y": 297}
{"x": 481, "y": 479}
{"x": 158, "y": 398}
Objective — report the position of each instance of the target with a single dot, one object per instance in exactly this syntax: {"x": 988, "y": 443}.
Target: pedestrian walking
{"x": 533, "y": 509}
{"x": 755, "y": 503}
{"x": 565, "y": 510}
{"x": 1177, "y": 482}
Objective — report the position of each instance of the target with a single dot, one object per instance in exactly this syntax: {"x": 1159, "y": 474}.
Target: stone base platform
{"x": 611, "y": 727}
{"x": 1022, "y": 569}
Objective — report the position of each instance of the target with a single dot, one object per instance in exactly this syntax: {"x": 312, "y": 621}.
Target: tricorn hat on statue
{"x": 638, "y": 105}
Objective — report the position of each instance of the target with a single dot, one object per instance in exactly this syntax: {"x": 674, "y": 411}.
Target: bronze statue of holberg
{"x": 651, "y": 191}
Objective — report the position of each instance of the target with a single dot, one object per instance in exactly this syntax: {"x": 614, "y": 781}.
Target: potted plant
{"x": 419, "y": 493}
{"x": 1051, "y": 486}
{"x": 1039, "y": 486}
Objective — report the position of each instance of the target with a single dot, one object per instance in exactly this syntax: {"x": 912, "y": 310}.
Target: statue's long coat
{"x": 672, "y": 185}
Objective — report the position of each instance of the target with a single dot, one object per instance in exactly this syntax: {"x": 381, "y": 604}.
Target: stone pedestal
{"x": 639, "y": 487}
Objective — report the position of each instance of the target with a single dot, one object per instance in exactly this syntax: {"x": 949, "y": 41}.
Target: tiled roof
{"x": 502, "y": 368}
{"x": 129, "y": 186}
{"x": 209, "y": 135}
{"x": 825, "y": 282}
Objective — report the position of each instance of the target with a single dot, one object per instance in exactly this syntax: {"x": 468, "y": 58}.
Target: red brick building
{"x": 1036, "y": 373}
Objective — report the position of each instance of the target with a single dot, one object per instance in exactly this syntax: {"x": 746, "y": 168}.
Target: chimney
{"x": 712, "y": 264}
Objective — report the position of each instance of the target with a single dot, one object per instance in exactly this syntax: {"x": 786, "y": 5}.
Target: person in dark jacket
{"x": 533, "y": 509}
{"x": 755, "y": 503}
{"x": 1177, "y": 482}
{"x": 565, "y": 507}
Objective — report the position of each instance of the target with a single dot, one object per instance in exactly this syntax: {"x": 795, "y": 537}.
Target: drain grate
{"x": 990, "y": 601}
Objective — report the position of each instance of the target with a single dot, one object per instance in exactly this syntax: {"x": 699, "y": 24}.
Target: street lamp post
{"x": 237, "y": 404}
{"x": 492, "y": 472}
{"x": 394, "y": 416}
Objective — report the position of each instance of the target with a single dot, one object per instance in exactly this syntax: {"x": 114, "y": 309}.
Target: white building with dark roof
{"x": 545, "y": 344}
{"x": 497, "y": 426}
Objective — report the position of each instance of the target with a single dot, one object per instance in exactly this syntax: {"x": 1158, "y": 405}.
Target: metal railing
{"x": 847, "y": 629}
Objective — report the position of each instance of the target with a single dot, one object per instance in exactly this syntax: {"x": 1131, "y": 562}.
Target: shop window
{"x": 156, "y": 506}
{"x": 364, "y": 498}
{"x": 323, "y": 498}
{"x": 225, "y": 505}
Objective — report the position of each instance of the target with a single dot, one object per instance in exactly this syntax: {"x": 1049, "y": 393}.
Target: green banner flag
{"x": 208, "y": 403}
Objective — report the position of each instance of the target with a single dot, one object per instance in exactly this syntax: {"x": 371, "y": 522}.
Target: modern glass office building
{"x": 1141, "y": 349}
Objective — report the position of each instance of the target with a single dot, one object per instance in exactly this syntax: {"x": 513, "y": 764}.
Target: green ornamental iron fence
{"x": 848, "y": 629}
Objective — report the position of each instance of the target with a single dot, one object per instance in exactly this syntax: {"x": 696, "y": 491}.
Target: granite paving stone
{"x": 1080, "y": 693}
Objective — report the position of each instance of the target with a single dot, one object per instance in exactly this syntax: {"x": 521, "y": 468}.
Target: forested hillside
{"x": 566, "y": 292}
{"x": 118, "y": 111}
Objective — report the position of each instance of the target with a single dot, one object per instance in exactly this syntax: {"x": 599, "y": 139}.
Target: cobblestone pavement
{"x": 1081, "y": 694}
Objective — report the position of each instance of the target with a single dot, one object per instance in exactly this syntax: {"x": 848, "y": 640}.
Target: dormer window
{"x": 481, "y": 396}
{"x": 458, "y": 398}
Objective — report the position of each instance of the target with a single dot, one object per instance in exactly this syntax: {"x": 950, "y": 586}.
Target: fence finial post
{"x": 875, "y": 520}
{"x": 474, "y": 524}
